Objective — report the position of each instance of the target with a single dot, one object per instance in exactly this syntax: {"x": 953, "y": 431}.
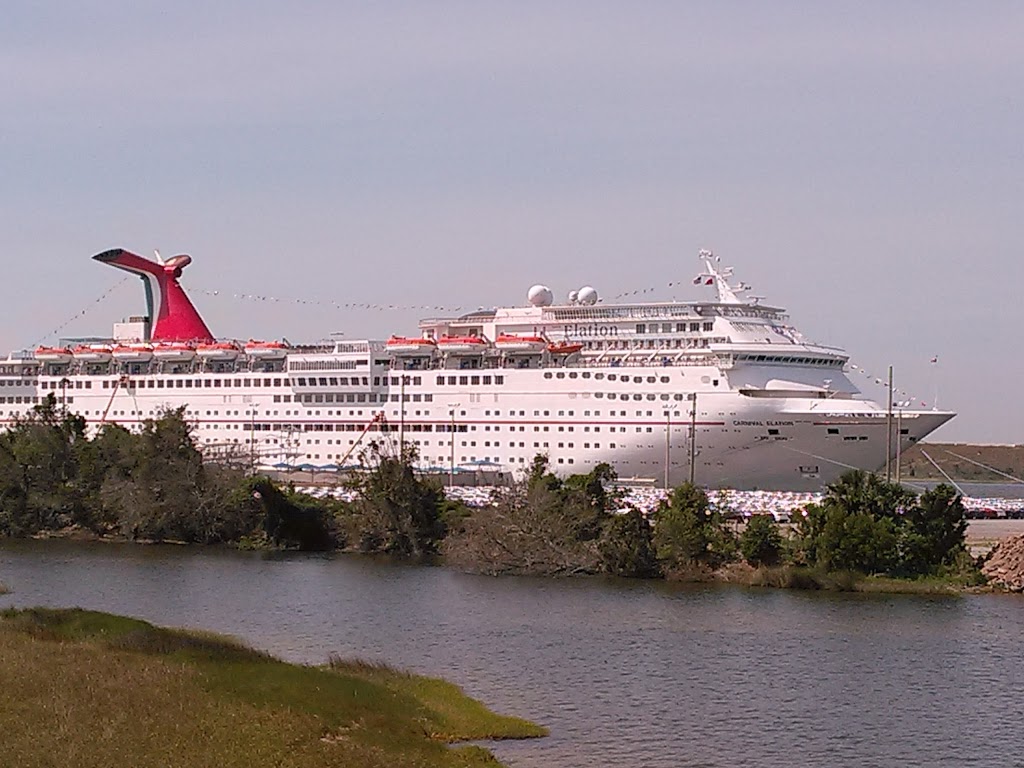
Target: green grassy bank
{"x": 91, "y": 689}
{"x": 802, "y": 577}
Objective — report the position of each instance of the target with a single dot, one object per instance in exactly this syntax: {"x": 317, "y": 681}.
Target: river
{"x": 623, "y": 673}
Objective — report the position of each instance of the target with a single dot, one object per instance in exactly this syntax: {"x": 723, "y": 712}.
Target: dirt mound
{"x": 1005, "y": 566}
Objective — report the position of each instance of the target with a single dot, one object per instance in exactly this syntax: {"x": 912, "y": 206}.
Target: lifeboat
{"x": 53, "y": 354}
{"x": 266, "y": 350}
{"x": 174, "y": 352}
{"x": 462, "y": 345}
{"x": 564, "y": 347}
{"x": 92, "y": 353}
{"x": 218, "y": 350}
{"x": 512, "y": 343}
{"x": 139, "y": 352}
{"x": 402, "y": 345}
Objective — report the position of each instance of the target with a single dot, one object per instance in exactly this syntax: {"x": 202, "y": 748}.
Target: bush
{"x": 627, "y": 547}
{"x": 687, "y": 532}
{"x": 761, "y": 541}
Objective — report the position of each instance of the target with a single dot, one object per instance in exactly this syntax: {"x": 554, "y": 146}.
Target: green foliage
{"x": 39, "y": 461}
{"x": 868, "y": 526}
{"x": 546, "y": 525}
{"x": 290, "y": 520}
{"x": 688, "y": 532}
{"x": 938, "y": 527}
{"x": 152, "y": 484}
{"x": 858, "y": 491}
{"x": 397, "y": 511}
{"x": 627, "y": 547}
{"x": 761, "y": 541}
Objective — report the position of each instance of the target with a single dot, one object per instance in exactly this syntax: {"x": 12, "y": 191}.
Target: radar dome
{"x": 540, "y": 296}
{"x": 587, "y": 295}
{"x": 574, "y": 296}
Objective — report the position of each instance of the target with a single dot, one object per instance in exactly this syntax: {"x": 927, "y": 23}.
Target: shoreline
{"x": 737, "y": 574}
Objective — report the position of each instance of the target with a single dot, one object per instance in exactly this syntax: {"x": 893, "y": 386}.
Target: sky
{"x": 861, "y": 164}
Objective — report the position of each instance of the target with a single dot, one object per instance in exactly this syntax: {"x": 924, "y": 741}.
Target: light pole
{"x": 888, "y": 433}
{"x": 64, "y": 396}
{"x": 401, "y": 418}
{"x": 668, "y": 446}
{"x": 693, "y": 434}
{"x": 899, "y": 440}
{"x": 451, "y": 432}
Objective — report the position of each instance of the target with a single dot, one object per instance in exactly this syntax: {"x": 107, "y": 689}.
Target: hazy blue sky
{"x": 859, "y": 163}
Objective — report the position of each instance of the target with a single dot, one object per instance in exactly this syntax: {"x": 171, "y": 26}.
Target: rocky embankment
{"x": 1005, "y": 566}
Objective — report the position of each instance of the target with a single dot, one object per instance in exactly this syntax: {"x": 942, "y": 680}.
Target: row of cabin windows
{"x": 359, "y": 397}
{"x": 326, "y": 365}
{"x": 67, "y": 384}
{"x": 464, "y": 380}
{"x": 792, "y": 360}
{"x": 611, "y": 377}
{"x": 689, "y": 343}
{"x": 706, "y": 325}
{"x": 323, "y": 381}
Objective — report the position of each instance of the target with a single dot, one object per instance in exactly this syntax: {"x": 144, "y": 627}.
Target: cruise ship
{"x": 723, "y": 391}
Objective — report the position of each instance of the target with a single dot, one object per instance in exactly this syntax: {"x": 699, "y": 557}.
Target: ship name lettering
{"x": 581, "y": 330}
{"x": 742, "y": 423}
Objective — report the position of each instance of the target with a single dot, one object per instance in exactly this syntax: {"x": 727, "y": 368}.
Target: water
{"x": 624, "y": 673}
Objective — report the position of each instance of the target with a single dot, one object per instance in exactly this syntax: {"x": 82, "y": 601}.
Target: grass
{"x": 799, "y": 577}
{"x": 91, "y": 689}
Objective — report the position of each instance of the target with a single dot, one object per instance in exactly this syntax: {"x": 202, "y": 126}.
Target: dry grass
{"x": 88, "y": 689}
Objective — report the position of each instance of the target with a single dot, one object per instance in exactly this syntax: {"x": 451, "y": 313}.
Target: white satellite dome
{"x": 587, "y": 295}
{"x": 574, "y": 296}
{"x": 540, "y": 296}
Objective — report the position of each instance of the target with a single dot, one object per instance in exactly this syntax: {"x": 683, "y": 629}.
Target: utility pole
{"x": 451, "y": 467}
{"x": 401, "y": 418}
{"x": 252, "y": 443}
{"x": 693, "y": 435}
{"x": 899, "y": 442}
{"x": 668, "y": 445}
{"x": 888, "y": 433}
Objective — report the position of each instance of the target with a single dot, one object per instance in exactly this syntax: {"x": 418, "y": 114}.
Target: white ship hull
{"x": 738, "y": 442}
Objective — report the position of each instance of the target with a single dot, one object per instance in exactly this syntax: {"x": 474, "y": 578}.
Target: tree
{"x": 43, "y": 451}
{"x": 868, "y": 525}
{"x": 541, "y": 524}
{"x": 627, "y": 547}
{"x": 858, "y": 542}
{"x": 398, "y": 512}
{"x": 687, "y": 531}
{"x": 761, "y": 541}
{"x": 858, "y": 491}
{"x": 936, "y": 530}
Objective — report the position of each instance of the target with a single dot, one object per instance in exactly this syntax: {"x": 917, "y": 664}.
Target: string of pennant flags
{"x": 902, "y": 393}
{"x": 81, "y": 313}
{"x": 258, "y": 298}
{"x": 701, "y": 279}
